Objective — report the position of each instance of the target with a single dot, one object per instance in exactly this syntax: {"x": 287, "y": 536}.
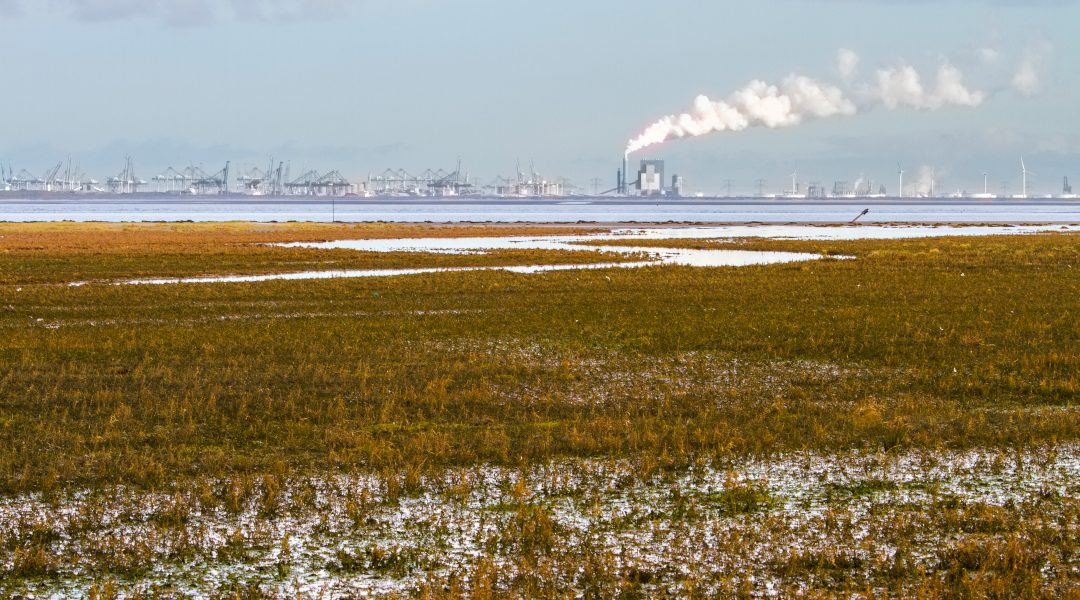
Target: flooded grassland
{"x": 900, "y": 421}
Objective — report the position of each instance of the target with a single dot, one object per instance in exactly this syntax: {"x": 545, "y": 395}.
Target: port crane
{"x": 193, "y": 180}
{"x": 25, "y": 179}
{"x": 257, "y": 182}
{"x": 312, "y": 183}
{"x": 305, "y": 184}
{"x": 334, "y": 183}
{"x": 126, "y": 182}
{"x": 49, "y": 184}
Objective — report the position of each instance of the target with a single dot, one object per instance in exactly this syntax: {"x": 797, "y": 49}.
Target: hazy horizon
{"x": 365, "y": 86}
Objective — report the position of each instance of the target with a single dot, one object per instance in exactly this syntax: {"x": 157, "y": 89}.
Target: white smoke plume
{"x": 927, "y": 181}
{"x": 902, "y": 87}
{"x": 756, "y": 105}
{"x": 799, "y": 99}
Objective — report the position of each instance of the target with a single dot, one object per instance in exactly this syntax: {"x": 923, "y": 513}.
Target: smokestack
{"x": 625, "y": 176}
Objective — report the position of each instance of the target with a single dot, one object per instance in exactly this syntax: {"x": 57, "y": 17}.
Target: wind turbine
{"x": 794, "y": 183}
{"x": 1023, "y": 169}
{"x": 900, "y": 170}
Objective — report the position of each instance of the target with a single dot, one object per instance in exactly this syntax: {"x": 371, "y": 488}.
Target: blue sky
{"x": 361, "y": 86}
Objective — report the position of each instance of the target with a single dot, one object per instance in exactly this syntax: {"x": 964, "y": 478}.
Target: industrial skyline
{"x": 648, "y": 178}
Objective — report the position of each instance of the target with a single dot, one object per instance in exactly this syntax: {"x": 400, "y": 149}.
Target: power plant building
{"x": 651, "y": 178}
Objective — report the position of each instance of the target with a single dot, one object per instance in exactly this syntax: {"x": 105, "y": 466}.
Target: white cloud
{"x": 847, "y": 64}
{"x": 103, "y": 10}
{"x": 195, "y": 12}
{"x": 987, "y": 55}
{"x": 1027, "y": 80}
{"x": 289, "y": 9}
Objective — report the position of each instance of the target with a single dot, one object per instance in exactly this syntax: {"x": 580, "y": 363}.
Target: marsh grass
{"x": 741, "y": 497}
{"x": 71, "y": 252}
{"x": 235, "y": 404}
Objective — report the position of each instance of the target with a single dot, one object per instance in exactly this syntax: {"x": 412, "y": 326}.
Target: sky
{"x": 365, "y": 85}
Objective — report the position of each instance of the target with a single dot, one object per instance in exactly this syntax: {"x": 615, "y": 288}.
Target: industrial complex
{"x": 647, "y": 179}
{"x": 278, "y": 179}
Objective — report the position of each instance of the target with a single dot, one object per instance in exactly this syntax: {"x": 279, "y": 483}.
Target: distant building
{"x": 651, "y": 178}
{"x": 677, "y": 186}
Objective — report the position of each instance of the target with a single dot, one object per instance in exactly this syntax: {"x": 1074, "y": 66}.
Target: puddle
{"x": 655, "y": 256}
{"x": 363, "y": 273}
{"x": 479, "y": 245}
{"x": 838, "y": 233}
